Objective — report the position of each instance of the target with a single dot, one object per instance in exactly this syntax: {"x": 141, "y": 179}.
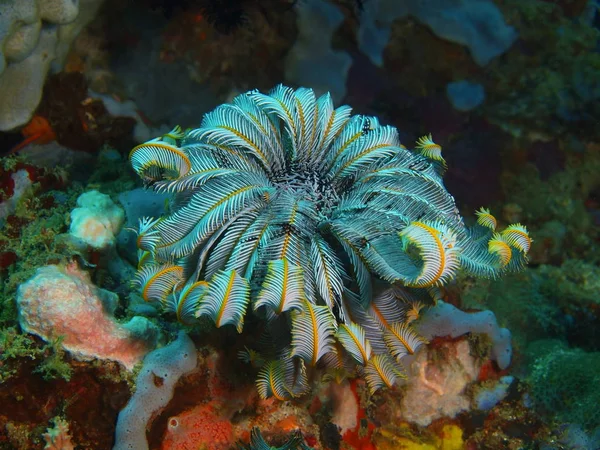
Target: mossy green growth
{"x": 35, "y": 239}
{"x": 16, "y": 347}
{"x": 575, "y": 282}
{"x": 565, "y": 384}
{"x": 54, "y": 365}
{"x": 557, "y": 205}
{"x": 519, "y": 305}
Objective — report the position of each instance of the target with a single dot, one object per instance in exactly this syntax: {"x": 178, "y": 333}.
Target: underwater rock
{"x": 348, "y": 413}
{"x": 138, "y": 203}
{"x": 476, "y": 24}
{"x": 34, "y": 35}
{"x": 446, "y": 320}
{"x": 437, "y": 390}
{"x": 346, "y": 406}
{"x": 62, "y": 301}
{"x": 21, "y": 181}
{"x": 96, "y": 220}
{"x": 312, "y": 61}
{"x": 79, "y": 120}
{"x": 465, "y": 95}
{"x": 488, "y": 397}
{"x": 142, "y": 131}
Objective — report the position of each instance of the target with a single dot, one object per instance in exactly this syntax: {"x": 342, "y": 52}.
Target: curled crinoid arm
{"x": 413, "y": 310}
{"x": 486, "y": 219}
{"x": 516, "y": 235}
{"x": 499, "y": 246}
{"x": 158, "y": 160}
{"x": 156, "y": 281}
{"x": 147, "y": 236}
{"x": 429, "y": 149}
{"x": 489, "y": 254}
{"x": 438, "y": 253}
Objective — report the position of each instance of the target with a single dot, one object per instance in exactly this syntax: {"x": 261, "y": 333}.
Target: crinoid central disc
{"x": 308, "y": 184}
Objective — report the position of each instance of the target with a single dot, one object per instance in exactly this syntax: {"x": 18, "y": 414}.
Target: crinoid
{"x": 292, "y": 209}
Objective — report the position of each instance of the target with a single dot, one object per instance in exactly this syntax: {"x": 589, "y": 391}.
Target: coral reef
{"x": 201, "y": 404}
{"x": 36, "y": 216}
{"x": 358, "y": 304}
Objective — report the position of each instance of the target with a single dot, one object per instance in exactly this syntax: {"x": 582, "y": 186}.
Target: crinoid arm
{"x": 488, "y": 253}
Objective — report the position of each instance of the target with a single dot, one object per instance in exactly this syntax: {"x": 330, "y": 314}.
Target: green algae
{"x": 53, "y": 365}
{"x": 16, "y": 347}
{"x": 565, "y": 384}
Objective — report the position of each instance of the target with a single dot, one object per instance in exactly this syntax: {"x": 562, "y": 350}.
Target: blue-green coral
{"x": 565, "y": 383}
{"x": 294, "y": 208}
